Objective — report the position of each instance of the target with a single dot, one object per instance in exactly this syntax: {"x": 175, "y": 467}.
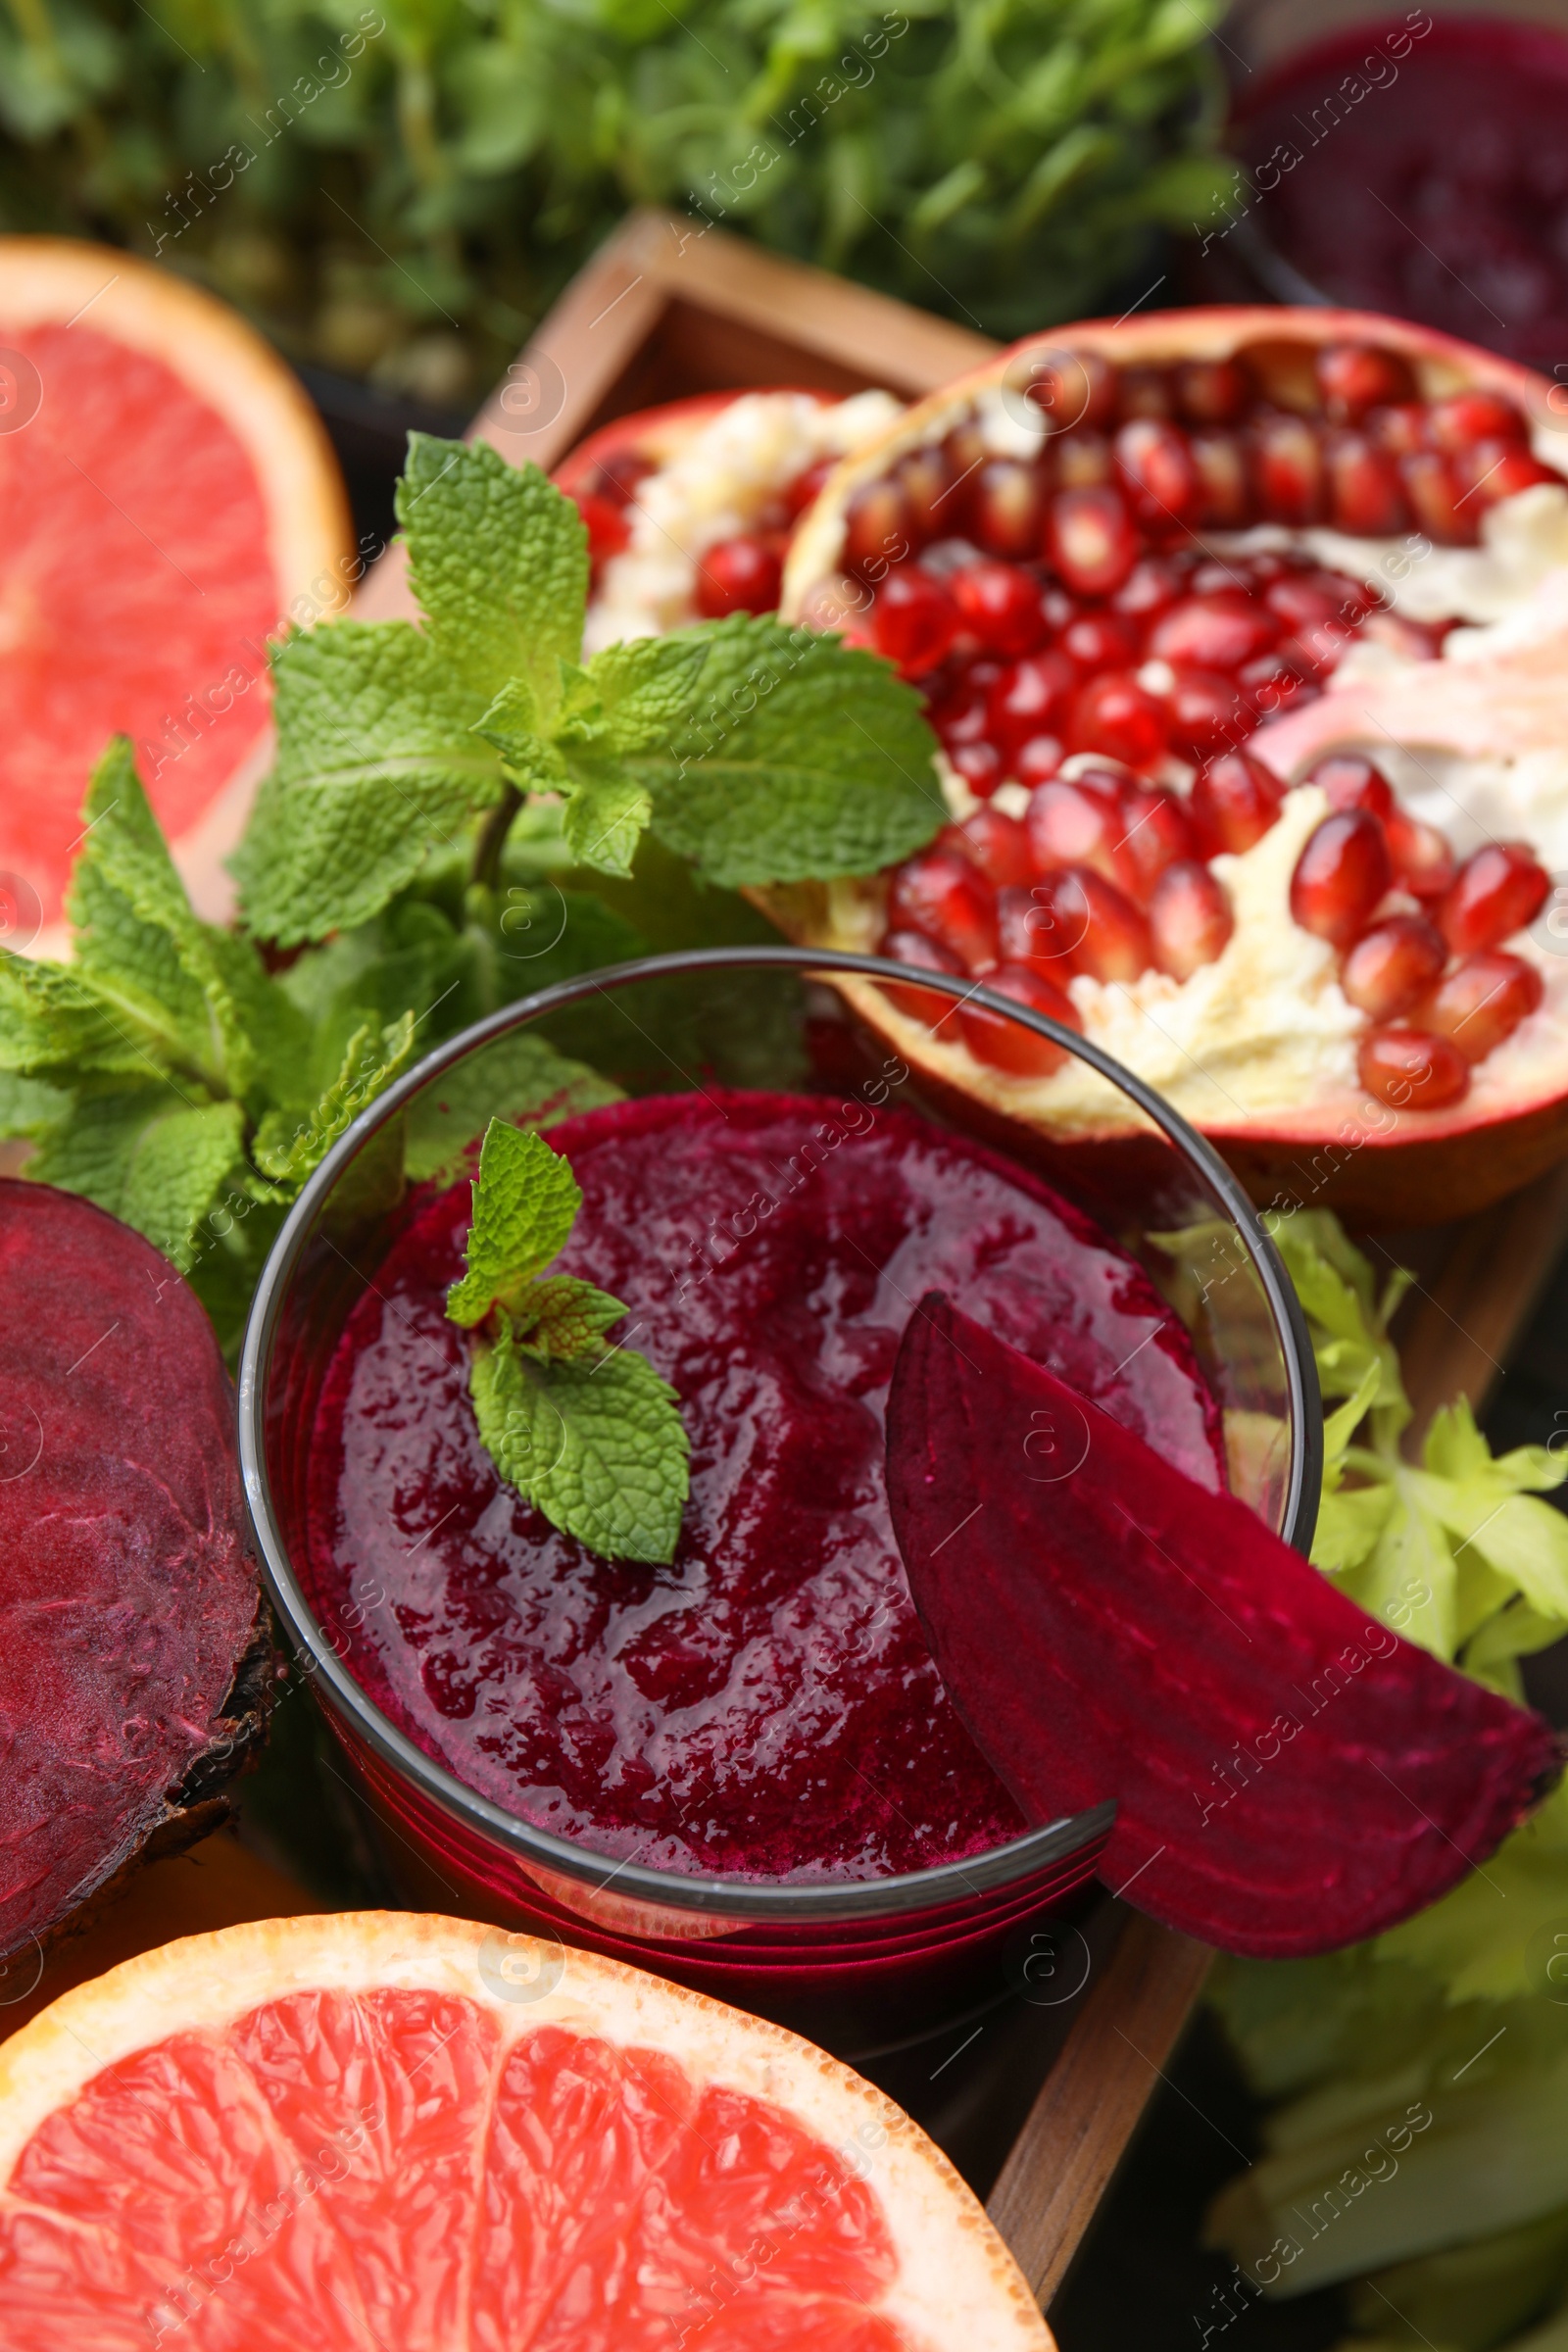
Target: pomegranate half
{"x": 1245, "y": 633}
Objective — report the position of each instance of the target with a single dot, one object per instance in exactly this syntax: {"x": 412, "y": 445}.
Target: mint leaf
{"x": 497, "y": 558}
{"x": 140, "y": 945}
{"x": 526, "y": 1199}
{"x": 800, "y": 760}
{"x": 29, "y": 1107}
{"x": 590, "y": 1434}
{"x": 377, "y": 762}
{"x": 148, "y": 1159}
{"x": 598, "y": 1447}
{"x": 512, "y": 724}
{"x": 643, "y": 690}
{"x": 54, "y": 1024}
{"x": 607, "y": 814}
{"x": 520, "y": 1077}
{"x": 289, "y": 1146}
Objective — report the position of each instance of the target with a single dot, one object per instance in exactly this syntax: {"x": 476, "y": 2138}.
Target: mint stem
{"x": 493, "y": 837}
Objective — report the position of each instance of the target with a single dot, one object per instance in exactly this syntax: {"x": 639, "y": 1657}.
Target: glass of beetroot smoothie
{"x": 739, "y": 1769}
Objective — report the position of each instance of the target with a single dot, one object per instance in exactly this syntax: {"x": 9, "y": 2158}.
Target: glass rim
{"x": 748, "y": 1902}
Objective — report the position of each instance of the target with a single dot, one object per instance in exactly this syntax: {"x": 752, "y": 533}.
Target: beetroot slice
{"x": 1289, "y": 1777}
{"x": 131, "y": 1644}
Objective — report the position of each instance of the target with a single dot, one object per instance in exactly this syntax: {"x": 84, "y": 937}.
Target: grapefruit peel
{"x": 1290, "y": 1776}
{"x": 228, "y": 2141}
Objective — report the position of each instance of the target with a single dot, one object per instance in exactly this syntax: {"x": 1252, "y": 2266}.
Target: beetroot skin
{"x": 1289, "y": 1777}
{"x": 129, "y": 1607}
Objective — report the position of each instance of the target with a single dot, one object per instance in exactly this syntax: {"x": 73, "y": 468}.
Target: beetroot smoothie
{"x": 766, "y": 1705}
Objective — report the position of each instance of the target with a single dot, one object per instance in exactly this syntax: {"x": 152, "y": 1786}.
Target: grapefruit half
{"x": 170, "y": 496}
{"x": 387, "y": 2130}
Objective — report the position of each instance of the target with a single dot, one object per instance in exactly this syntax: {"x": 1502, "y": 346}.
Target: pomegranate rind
{"x": 224, "y": 363}
{"x": 955, "y": 2281}
{"x": 132, "y": 1640}
{"x": 1338, "y": 1150}
{"x": 1289, "y": 1777}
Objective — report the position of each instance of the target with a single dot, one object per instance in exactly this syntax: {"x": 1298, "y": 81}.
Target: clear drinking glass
{"x": 862, "y": 1966}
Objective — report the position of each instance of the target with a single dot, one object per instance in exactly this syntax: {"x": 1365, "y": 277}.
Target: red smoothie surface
{"x": 766, "y": 1705}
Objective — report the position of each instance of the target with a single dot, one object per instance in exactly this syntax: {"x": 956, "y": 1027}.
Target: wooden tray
{"x": 1053, "y": 2089}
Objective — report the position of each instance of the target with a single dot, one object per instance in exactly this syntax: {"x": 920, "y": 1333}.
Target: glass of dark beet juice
{"x": 740, "y": 1770}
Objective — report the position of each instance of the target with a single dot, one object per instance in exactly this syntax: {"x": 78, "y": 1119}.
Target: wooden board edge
{"x": 1091, "y": 2102}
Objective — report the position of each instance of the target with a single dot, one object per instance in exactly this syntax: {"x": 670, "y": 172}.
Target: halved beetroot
{"x": 1297, "y": 454}
{"x": 1289, "y": 1777}
{"x": 133, "y": 1653}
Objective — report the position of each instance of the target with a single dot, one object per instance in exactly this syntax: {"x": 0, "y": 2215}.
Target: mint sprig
{"x": 587, "y": 1432}
{"x": 760, "y": 752}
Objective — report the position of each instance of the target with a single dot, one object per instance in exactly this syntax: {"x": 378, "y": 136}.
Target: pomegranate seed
{"x": 961, "y": 717}
{"x": 1410, "y": 1068}
{"x": 1491, "y": 470}
{"x": 605, "y": 523}
{"x": 921, "y": 1003}
{"x": 1113, "y": 715}
{"x": 998, "y": 845}
{"x": 1153, "y": 583}
{"x": 806, "y": 487}
{"x": 1435, "y": 498}
{"x": 1235, "y": 801}
{"x": 1353, "y": 377}
{"x": 944, "y": 897}
{"x": 925, "y": 479}
{"x": 1399, "y": 428}
{"x": 1099, "y": 641}
{"x": 1299, "y": 602}
{"x": 1036, "y": 760}
{"x": 1060, "y": 608}
{"x": 914, "y": 620}
{"x": 1190, "y": 919}
{"x": 840, "y": 607}
{"x": 1027, "y": 694}
{"x": 1482, "y": 1002}
{"x": 1008, "y": 1044}
{"x": 1288, "y": 468}
{"x": 1274, "y": 683}
{"x": 1157, "y": 835}
{"x": 1468, "y": 416}
{"x": 1352, "y": 782}
{"x": 1113, "y": 936}
{"x": 738, "y": 576}
{"x": 1204, "y": 713}
{"x": 1032, "y": 930}
{"x": 1142, "y": 392}
{"x": 1157, "y": 468}
{"x": 1081, "y": 462}
{"x": 1090, "y": 539}
{"x": 876, "y": 528}
{"x": 619, "y": 477}
{"x": 1076, "y": 388}
{"x": 1340, "y": 877}
{"x": 1000, "y": 604}
{"x": 1218, "y": 632}
{"x": 1496, "y": 891}
{"x": 1076, "y": 822}
{"x": 1007, "y": 504}
{"x": 1365, "y": 495}
{"x": 981, "y": 766}
{"x": 1392, "y": 967}
{"x": 1422, "y": 861}
{"x": 1212, "y": 391}
{"x": 1224, "y": 492}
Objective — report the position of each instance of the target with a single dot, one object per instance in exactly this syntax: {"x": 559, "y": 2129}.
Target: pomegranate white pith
{"x": 1236, "y": 561}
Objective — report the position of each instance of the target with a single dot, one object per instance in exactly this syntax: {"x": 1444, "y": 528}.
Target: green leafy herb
{"x": 761, "y": 753}
{"x": 588, "y": 1433}
{"x": 1424, "y": 2077}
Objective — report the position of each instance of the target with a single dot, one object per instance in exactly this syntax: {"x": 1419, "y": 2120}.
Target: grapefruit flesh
{"x": 340, "y": 2131}
{"x": 167, "y": 494}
